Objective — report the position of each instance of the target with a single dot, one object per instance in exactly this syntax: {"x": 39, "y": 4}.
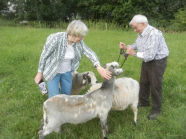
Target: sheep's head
{"x": 114, "y": 68}
{"x": 82, "y": 80}
{"x": 89, "y": 77}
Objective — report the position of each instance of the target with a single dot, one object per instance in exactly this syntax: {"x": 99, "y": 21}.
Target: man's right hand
{"x": 122, "y": 45}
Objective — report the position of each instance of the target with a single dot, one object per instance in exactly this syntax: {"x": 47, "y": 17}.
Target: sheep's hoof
{"x": 41, "y": 134}
{"x": 104, "y": 137}
{"x": 135, "y": 123}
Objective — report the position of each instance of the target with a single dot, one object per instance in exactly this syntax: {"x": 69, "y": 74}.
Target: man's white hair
{"x": 77, "y": 28}
{"x": 139, "y": 19}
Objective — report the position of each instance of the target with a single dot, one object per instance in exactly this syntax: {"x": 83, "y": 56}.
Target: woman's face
{"x": 75, "y": 39}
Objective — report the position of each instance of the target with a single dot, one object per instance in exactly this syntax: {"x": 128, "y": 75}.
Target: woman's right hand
{"x": 105, "y": 74}
{"x": 38, "y": 77}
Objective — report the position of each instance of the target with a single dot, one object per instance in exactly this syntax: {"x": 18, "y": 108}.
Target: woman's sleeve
{"x": 48, "y": 49}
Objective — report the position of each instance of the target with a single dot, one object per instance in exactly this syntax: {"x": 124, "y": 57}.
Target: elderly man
{"x": 152, "y": 49}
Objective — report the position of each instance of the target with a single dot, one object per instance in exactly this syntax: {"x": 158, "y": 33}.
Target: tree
{"x": 3, "y": 5}
{"x": 166, "y": 10}
{"x": 159, "y": 12}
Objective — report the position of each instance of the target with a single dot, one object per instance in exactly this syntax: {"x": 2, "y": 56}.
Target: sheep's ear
{"x": 89, "y": 79}
{"x": 84, "y": 76}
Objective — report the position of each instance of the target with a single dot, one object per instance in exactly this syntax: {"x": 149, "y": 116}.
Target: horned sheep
{"x": 76, "y": 109}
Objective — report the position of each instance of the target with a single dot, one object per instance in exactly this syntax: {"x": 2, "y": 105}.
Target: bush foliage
{"x": 159, "y": 12}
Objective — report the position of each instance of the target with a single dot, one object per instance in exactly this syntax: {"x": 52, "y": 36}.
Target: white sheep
{"x": 126, "y": 93}
{"x": 76, "y": 109}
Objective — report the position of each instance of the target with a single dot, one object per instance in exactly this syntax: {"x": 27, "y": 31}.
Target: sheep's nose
{"x": 96, "y": 81}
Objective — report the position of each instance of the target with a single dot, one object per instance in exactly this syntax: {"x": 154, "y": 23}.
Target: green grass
{"x": 21, "y": 101}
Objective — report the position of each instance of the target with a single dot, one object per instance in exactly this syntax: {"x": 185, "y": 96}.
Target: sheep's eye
{"x": 112, "y": 66}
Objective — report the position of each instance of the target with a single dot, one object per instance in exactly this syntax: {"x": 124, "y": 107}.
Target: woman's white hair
{"x": 77, "y": 28}
{"x": 139, "y": 19}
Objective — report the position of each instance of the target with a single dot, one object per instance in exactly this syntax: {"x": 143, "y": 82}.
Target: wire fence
{"x": 101, "y": 25}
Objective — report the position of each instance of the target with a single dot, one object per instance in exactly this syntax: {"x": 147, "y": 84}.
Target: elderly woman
{"x": 61, "y": 55}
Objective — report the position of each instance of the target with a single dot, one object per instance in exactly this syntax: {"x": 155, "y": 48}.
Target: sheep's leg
{"x": 104, "y": 127}
{"x": 42, "y": 124}
{"x": 41, "y": 136}
{"x": 58, "y": 130}
{"x": 135, "y": 110}
{"x": 51, "y": 126}
{"x": 107, "y": 130}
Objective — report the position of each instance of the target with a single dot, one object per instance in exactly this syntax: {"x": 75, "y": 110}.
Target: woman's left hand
{"x": 104, "y": 73}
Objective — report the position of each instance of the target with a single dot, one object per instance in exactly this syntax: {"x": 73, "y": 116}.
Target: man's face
{"x": 138, "y": 27}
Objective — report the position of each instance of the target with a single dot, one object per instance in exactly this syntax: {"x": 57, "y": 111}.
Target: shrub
{"x": 179, "y": 23}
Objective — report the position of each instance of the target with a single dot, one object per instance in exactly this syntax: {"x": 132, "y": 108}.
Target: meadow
{"x": 21, "y": 101}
